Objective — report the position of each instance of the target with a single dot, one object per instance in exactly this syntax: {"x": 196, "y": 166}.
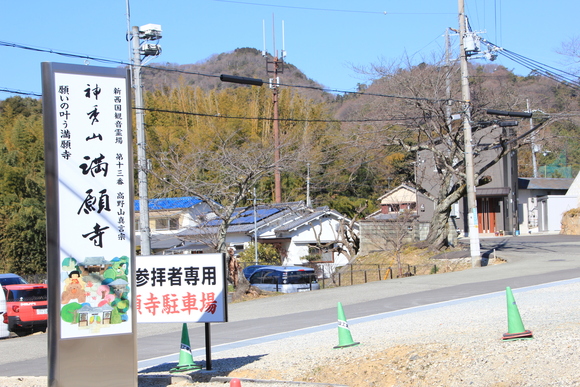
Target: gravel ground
{"x": 450, "y": 344}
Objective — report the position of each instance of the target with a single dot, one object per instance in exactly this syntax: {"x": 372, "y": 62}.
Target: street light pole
{"x": 469, "y": 173}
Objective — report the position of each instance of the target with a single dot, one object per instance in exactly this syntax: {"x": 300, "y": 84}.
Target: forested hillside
{"x": 215, "y": 139}
{"x": 357, "y": 154}
{"x": 22, "y": 211}
{"x": 243, "y": 62}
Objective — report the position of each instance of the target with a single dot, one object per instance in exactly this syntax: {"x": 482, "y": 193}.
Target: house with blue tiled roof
{"x": 170, "y": 203}
{"x": 294, "y": 229}
{"x": 187, "y": 226}
{"x": 169, "y": 216}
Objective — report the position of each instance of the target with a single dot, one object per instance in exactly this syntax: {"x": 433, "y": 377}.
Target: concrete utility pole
{"x": 448, "y": 67}
{"x": 532, "y": 141}
{"x": 308, "y": 202}
{"x": 145, "y": 231}
{"x": 255, "y": 231}
{"x": 277, "y": 179}
{"x": 147, "y": 32}
{"x": 469, "y": 174}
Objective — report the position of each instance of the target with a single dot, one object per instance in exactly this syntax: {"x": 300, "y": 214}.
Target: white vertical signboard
{"x": 94, "y": 199}
{"x": 89, "y": 210}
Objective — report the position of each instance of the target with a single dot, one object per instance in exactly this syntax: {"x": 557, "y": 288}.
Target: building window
{"x": 400, "y": 207}
{"x": 320, "y": 254}
{"x": 166, "y": 224}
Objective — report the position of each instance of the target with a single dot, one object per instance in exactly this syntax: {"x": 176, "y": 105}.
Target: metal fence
{"x": 355, "y": 274}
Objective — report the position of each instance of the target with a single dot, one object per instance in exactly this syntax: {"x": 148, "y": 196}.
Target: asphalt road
{"x": 532, "y": 260}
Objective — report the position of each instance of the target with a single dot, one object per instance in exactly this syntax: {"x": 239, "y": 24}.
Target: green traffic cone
{"x": 186, "y": 362}
{"x": 344, "y": 336}
{"x": 516, "y": 330}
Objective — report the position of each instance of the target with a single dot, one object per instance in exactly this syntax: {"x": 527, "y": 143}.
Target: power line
{"x": 560, "y": 76}
{"x": 20, "y": 92}
{"x": 370, "y": 94}
{"x": 279, "y": 119}
{"x": 334, "y": 10}
{"x": 61, "y": 53}
{"x": 120, "y": 62}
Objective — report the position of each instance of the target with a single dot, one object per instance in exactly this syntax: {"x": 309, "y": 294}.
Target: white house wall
{"x": 402, "y": 195}
{"x": 190, "y": 218}
{"x": 551, "y": 208}
{"x": 304, "y": 236}
{"x": 527, "y": 211}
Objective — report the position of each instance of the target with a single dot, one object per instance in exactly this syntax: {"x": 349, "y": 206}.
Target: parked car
{"x": 11, "y": 279}
{"x": 4, "y": 332}
{"x": 249, "y": 270}
{"x": 285, "y": 279}
{"x": 26, "y": 308}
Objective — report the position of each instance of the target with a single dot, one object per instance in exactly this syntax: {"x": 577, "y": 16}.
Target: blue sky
{"x": 322, "y": 38}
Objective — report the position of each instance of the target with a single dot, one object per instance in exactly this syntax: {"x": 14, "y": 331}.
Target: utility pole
{"x": 532, "y": 140}
{"x": 255, "y": 231}
{"x": 277, "y": 179}
{"x": 448, "y": 80}
{"x": 147, "y": 32}
{"x": 275, "y": 66}
{"x": 308, "y": 202}
{"x": 469, "y": 173}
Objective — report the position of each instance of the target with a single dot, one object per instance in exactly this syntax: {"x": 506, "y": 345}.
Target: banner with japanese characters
{"x": 181, "y": 288}
{"x": 91, "y": 168}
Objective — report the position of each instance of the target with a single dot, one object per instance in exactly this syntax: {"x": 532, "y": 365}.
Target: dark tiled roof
{"x": 160, "y": 241}
{"x": 247, "y": 217}
{"x": 499, "y": 191}
{"x": 544, "y": 183}
{"x": 266, "y": 214}
{"x": 307, "y": 217}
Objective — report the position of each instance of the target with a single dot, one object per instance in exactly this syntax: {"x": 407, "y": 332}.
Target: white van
{"x": 4, "y": 332}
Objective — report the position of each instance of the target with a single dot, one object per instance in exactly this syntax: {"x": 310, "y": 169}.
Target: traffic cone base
{"x": 353, "y": 344}
{"x": 178, "y": 368}
{"x": 516, "y": 330}
{"x": 186, "y": 362}
{"x": 525, "y": 335}
{"x": 344, "y": 336}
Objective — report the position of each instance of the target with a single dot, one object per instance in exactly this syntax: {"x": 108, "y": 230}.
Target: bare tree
{"x": 421, "y": 99}
{"x": 571, "y": 50}
{"x": 392, "y": 233}
{"x": 345, "y": 240}
{"x": 221, "y": 171}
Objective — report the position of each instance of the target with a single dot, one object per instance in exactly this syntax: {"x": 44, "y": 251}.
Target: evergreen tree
{"x": 22, "y": 208}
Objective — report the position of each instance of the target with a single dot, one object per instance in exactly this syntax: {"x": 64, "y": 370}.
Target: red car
{"x": 26, "y": 308}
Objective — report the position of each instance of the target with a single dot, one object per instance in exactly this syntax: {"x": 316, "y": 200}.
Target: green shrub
{"x": 267, "y": 254}
{"x": 312, "y": 257}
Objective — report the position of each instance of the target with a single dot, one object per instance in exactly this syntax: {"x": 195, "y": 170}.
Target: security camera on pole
{"x": 147, "y": 33}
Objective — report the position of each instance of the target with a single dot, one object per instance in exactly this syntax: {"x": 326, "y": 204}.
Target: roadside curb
{"x": 24, "y": 381}
{"x": 163, "y": 380}
{"x": 270, "y": 382}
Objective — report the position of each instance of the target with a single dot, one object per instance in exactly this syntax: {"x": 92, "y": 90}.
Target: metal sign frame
{"x": 181, "y": 288}
{"x": 90, "y": 238}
